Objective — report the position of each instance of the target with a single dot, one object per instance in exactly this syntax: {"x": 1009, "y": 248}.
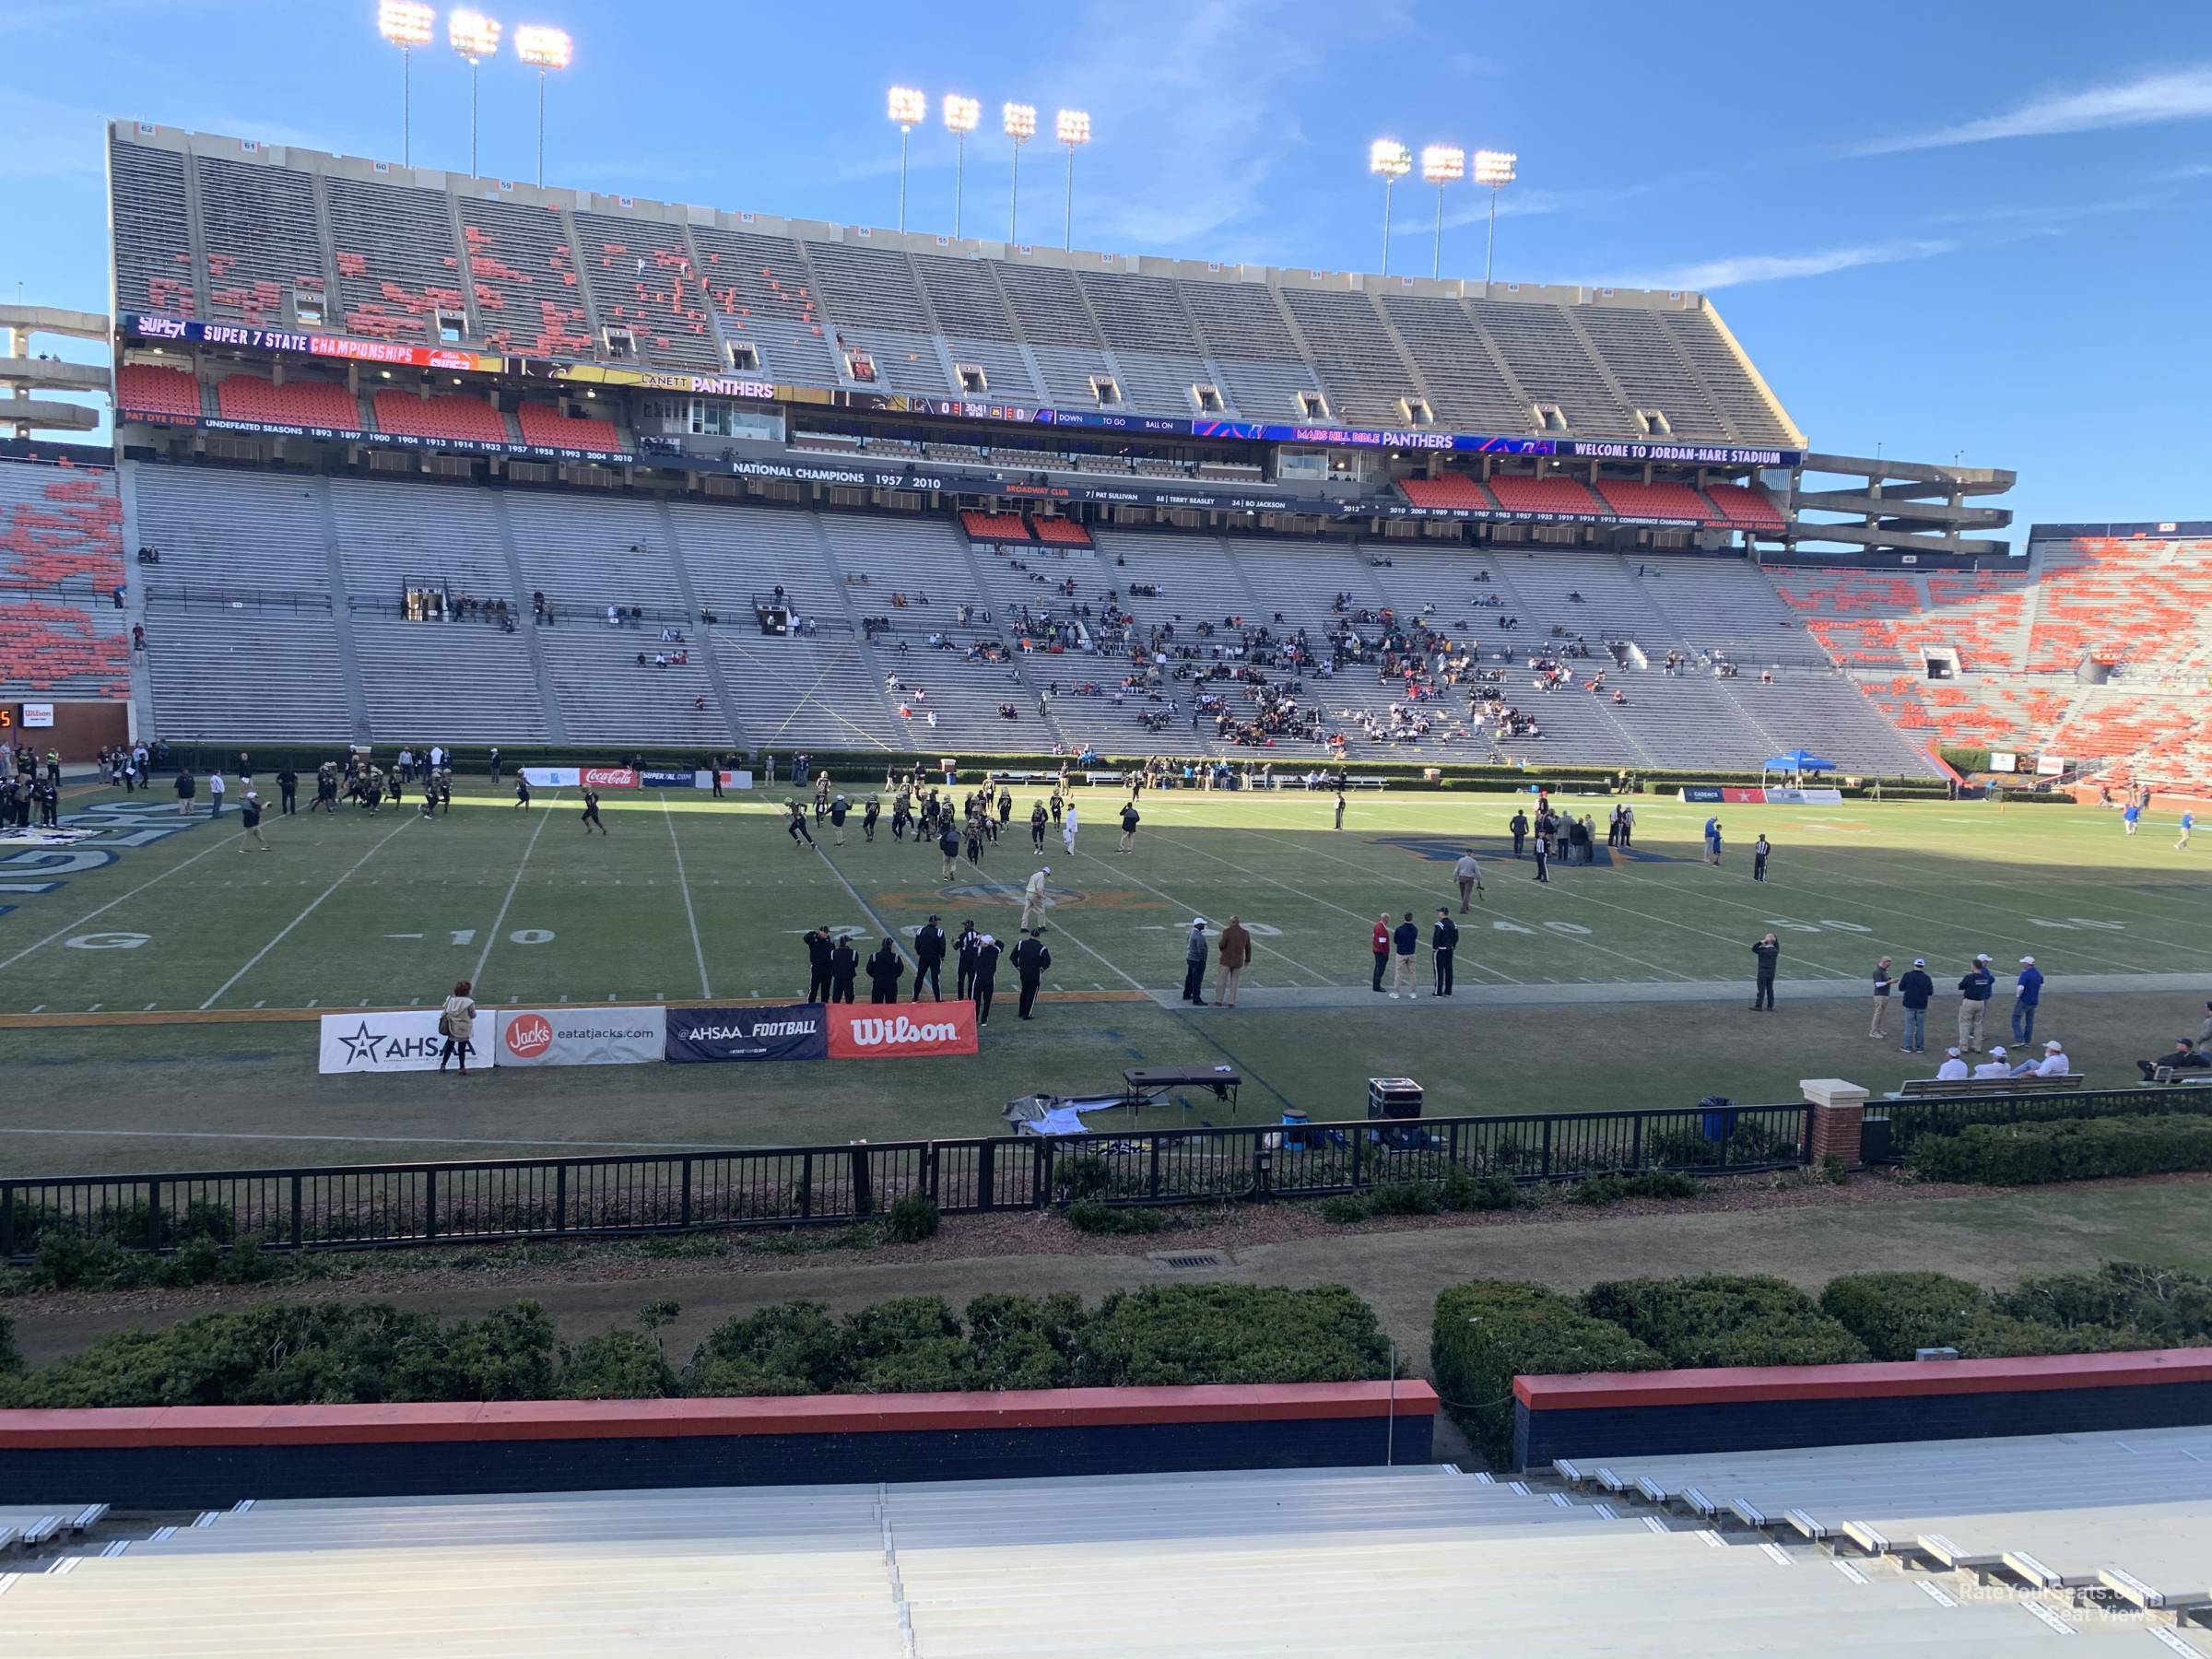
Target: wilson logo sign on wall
{"x": 859, "y": 1033}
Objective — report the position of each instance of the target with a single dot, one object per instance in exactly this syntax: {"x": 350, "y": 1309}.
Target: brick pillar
{"x": 1838, "y": 1108}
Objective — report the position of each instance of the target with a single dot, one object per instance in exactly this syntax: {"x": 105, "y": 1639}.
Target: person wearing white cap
{"x": 2025, "y": 996}
{"x": 1067, "y": 829}
{"x": 1975, "y": 988}
{"x": 253, "y": 822}
{"x": 1953, "y": 1067}
{"x": 1033, "y": 900}
{"x": 2054, "y": 1064}
{"x": 1996, "y": 1066}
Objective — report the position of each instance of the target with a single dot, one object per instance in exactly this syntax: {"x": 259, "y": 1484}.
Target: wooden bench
{"x": 1920, "y": 1088}
{"x": 2165, "y": 1077}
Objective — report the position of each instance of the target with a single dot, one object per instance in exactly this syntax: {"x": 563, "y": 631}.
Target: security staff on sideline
{"x": 1443, "y": 939}
{"x": 1031, "y": 959}
{"x": 986, "y": 976}
{"x": 818, "y": 965}
{"x": 845, "y": 962}
{"x": 929, "y": 958}
{"x": 1519, "y": 825}
{"x": 288, "y": 789}
{"x": 969, "y": 947}
{"x": 885, "y": 969}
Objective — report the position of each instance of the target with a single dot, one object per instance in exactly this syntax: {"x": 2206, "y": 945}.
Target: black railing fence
{"x": 1910, "y": 1120}
{"x": 372, "y": 1204}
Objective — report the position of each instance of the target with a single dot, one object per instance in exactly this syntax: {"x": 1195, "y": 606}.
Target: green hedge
{"x": 1725, "y": 1319}
{"x": 1897, "y": 1313}
{"x": 2167, "y": 1307}
{"x": 330, "y": 1353}
{"x": 1489, "y": 1330}
{"x": 2066, "y": 1149}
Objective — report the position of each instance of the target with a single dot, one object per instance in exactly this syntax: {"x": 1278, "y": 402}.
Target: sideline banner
{"x": 406, "y": 1040}
{"x": 863, "y": 1032}
{"x": 1804, "y": 797}
{"x": 608, "y": 777}
{"x": 1743, "y": 795}
{"x": 579, "y": 1036}
{"x": 550, "y": 777}
{"x": 787, "y": 1031}
{"x": 1701, "y": 792}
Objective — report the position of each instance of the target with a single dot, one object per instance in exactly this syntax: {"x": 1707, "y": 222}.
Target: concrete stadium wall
{"x": 212, "y": 1456}
{"x": 1751, "y": 1408}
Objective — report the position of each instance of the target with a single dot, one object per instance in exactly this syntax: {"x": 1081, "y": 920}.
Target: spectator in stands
{"x": 2054, "y": 1064}
{"x": 1914, "y": 991}
{"x": 2186, "y": 1056}
{"x": 138, "y": 635}
{"x": 2026, "y": 993}
{"x": 1954, "y": 1067}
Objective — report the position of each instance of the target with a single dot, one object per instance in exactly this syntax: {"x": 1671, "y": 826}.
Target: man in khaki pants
{"x": 1235, "y": 946}
{"x": 1882, "y": 983}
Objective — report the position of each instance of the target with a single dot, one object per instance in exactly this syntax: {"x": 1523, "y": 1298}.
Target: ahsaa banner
{"x": 579, "y": 1036}
{"x": 408, "y": 1040}
{"x": 550, "y": 777}
{"x": 788, "y": 1031}
{"x": 887, "y": 1031}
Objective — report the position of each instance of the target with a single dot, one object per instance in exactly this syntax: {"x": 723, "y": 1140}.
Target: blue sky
{"x": 1962, "y": 229}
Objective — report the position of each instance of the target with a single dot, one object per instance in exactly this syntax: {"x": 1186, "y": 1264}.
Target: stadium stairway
{"x": 1410, "y": 1561}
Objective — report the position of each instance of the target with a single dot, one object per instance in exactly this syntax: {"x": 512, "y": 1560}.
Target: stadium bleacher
{"x": 1233, "y": 1565}
{"x": 157, "y": 390}
{"x": 470, "y": 419}
{"x": 426, "y": 258}
{"x": 310, "y": 403}
{"x": 61, "y": 561}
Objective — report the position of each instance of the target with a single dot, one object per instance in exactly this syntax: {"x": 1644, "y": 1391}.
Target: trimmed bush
{"x": 1725, "y": 1319}
{"x": 11, "y": 1356}
{"x": 1489, "y": 1330}
{"x": 2065, "y": 1149}
{"x": 1023, "y": 1342}
{"x": 914, "y": 1218}
{"x": 615, "y": 1365}
{"x": 1344, "y": 1208}
{"x": 1601, "y": 1190}
{"x": 2164, "y": 1306}
{"x": 1168, "y": 1335}
{"x": 909, "y": 1345}
{"x": 790, "y": 1348}
{"x": 1896, "y": 1313}
{"x": 1088, "y": 1215}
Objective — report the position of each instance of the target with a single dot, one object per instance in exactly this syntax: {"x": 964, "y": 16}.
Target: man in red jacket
{"x": 1381, "y": 944}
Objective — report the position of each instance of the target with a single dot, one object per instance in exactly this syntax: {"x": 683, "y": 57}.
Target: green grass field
{"x": 1623, "y": 983}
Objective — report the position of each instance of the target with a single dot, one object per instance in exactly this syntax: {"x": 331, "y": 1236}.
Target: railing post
{"x": 986, "y": 1175}
{"x": 1636, "y": 1142}
{"x": 7, "y": 1223}
{"x": 1040, "y": 1176}
{"x": 1548, "y": 1149}
{"x": 687, "y": 1212}
{"x": 1358, "y": 1150}
{"x": 929, "y": 1169}
{"x": 561, "y": 1197}
{"x": 806, "y": 1186}
{"x": 298, "y": 1233}
{"x": 429, "y": 1204}
{"x": 863, "y": 1197}
{"x": 1152, "y": 1185}
{"x": 153, "y": 1215}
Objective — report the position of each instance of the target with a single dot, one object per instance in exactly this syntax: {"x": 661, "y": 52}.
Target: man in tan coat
{"x": 1235, "y": 946}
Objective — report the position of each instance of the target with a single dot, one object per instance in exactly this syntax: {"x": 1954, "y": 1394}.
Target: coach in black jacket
{"x": 986, "y": 976}
{"x": 818, "y": 947}
{"x": 1443, "y": 939}
{"x": 883, "y": 971}
{"x": 929, "y": 957}
{"x": 1031, "y": 959}
{"x": 845, "y": 962}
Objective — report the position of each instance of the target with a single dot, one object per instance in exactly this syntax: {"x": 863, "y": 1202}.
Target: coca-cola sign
{"x": 609, "y": 777}
{"x": 887, "y": 1031}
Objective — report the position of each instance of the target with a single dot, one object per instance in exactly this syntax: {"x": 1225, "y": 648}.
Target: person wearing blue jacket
{"x": 1975, "y": 988}
{"x": 2025, "y": 996}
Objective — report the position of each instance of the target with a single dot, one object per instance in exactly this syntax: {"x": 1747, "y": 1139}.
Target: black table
{"x": 1148, "y": 1083}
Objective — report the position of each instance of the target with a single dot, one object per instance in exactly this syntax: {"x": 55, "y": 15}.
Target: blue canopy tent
{"x": 1796, "y": 763}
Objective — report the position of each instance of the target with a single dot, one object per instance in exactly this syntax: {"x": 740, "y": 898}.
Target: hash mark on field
{"x": 95, "y": 1007}
{"x": 261, "y": 1003}
{"x": 40, "y": 1010}
{"x": 312, "y": 1001}
{"x": 149, "y": 1008}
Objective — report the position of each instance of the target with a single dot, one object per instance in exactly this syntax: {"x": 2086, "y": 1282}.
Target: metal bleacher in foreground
{"x": 1420, "y": 1560}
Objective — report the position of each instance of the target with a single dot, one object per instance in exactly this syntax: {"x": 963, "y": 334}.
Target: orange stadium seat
{"x": 143, "y": 386}
{"x": 465, "y": 417}
{"x": 1450, "y": 489}
{"x": 994, "y": 526}
{"x": 1745, "y": 506}
{"x": 1518, "y": 492}
{"x": 544, "y": 423}
{"x": 296, "y": 402}
{"x": 1633, "y": 499}
{"x": 1061, "y": 532}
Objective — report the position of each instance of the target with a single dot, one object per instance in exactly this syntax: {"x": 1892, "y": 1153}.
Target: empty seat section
{"x": 817, "y": 691}
{"x": 1549, "y": 362}
{"x": 143, "y": 388}
{"x": 588, "y": 552}
{"x": 1048, "y": 307}
{"x": 263, "y": 241}
{"x": 1142, "y": 320}
{"x": 1736, "y": 394}
{"x": 1064, "y": 531}
{"x": 1360, "y": 367}
{"x": 1633, "y": 499}
{"x": 735, "y": 553}
{"x": 398, "y": 267}
{"x": 448, "y": 682}
{"x": 393, "y": 537}
{"x": 1447, "y": 490}
{"x": 761, "y": 295}
{"x": 1241, "y": 328}
{"x": 219, "y": 530}
{"x": 606, "y": 698}
{"x": 457, "y": 415}
{"x": 61, "y": 557}
{"x": 153, "y": 239}
{"x": 523, "y": 273}
{"x": 993, "y": 526}
{"x": 1745, "y": 506}
{"x": 641, "y": 276}
{"x": 231, "y": 674}
{"x": 296, "y": 402}
{"x": 877, "y": 305}
{"x": 1523, "y": 492}
{"x": 1650, "y": 367}
{"x": 1470, "y": 389}
{"x": 969, "y": 306}
{"x": 551, "y": 425}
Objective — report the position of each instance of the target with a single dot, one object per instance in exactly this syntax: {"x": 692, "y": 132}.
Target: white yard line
{"x": 313, "y": 905}
{"x": 1059, "y": 925}
{"x": 882, "y": 928}
{"x": 477, "y": 974}
{"x": 110, "y": 904}
{"x": 697, "y": 951}
{"x": 1258, "y": 942}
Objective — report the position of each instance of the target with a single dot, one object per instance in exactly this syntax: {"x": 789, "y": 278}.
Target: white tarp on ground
{"x": 579, "y": 1036}
{"x": 406, "y": 1039}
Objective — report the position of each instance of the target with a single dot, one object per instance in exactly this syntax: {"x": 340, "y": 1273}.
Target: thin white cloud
{"x": 1740, "y": 268}
{"x": 2170, "y": 95}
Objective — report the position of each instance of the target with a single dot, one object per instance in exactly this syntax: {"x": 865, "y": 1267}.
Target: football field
{"x": 162, "y": 970}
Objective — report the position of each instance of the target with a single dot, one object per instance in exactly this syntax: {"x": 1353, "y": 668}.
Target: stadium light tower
{"x": 1021, "y": 122}
{"x": 1442, "y": 164}
{"x": 1495, "y": 168}
{"x": 545, "y": 49}
{"x": 909, "y": 109}
{"x": 960, "y": 116}
{"x": 406, "y": 25}
{"x": 476, "y": 36}
{"x": 1394, "y": 162}
{"x": 1073, "y": 130}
